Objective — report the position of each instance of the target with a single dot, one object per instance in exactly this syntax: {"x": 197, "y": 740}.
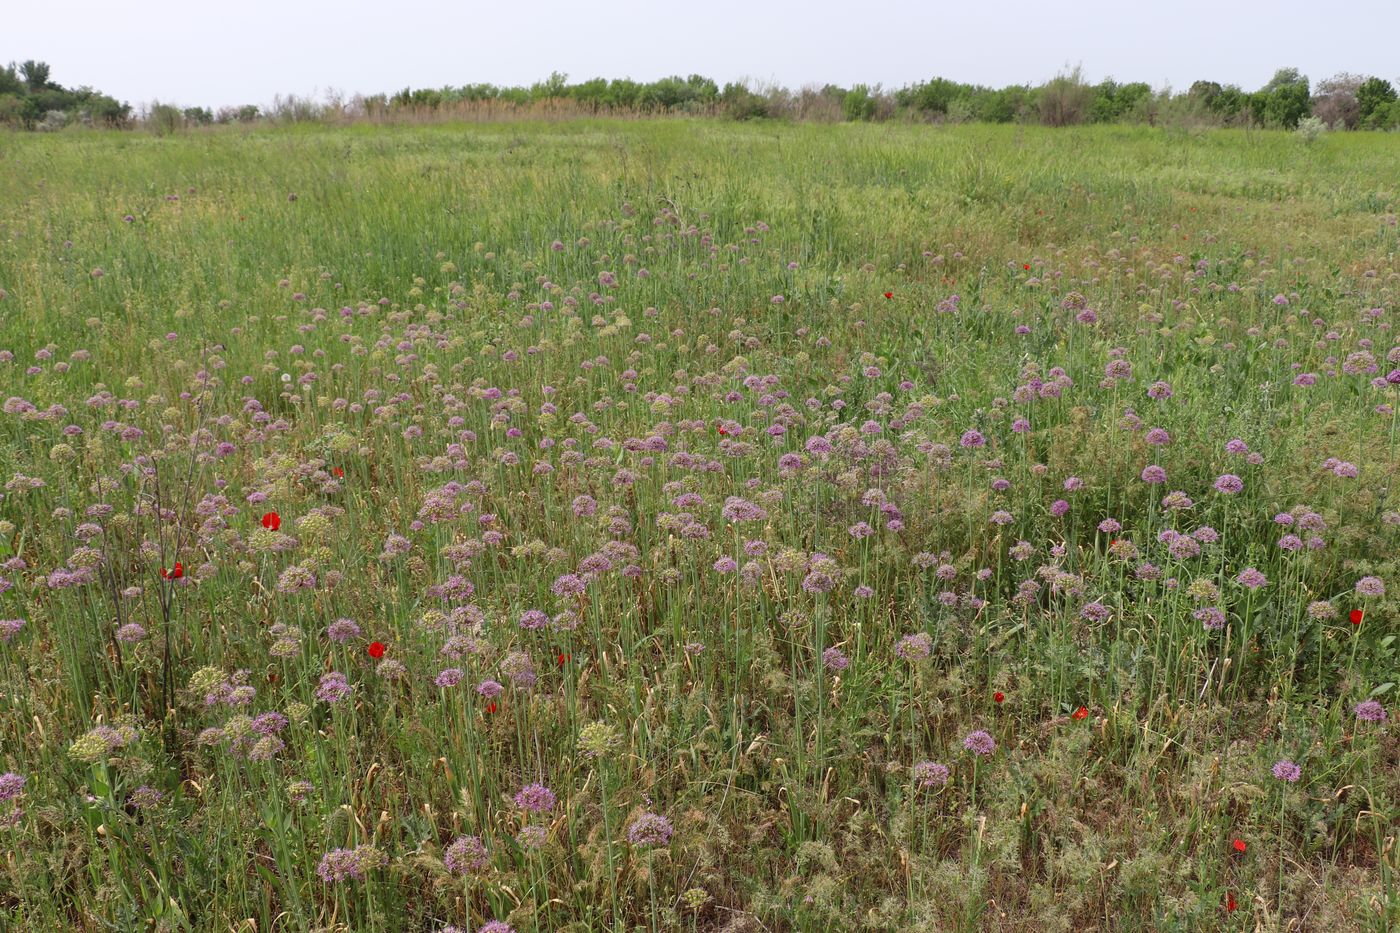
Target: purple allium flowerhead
{"x": 1370, "y": 586}
{"x": 333, "y": 688}
{"x": 835, "y": 659}
{"x": 131, "y": 632}
{"x": 489, "y": 689}
{"x": 1251, "y": 578}
{"x": 342, "y": 630}
{"x": 1211, "y": 617}
{"x": 930, "y": 774}
{"x": 914, "y": 647}
{"x": 495, "y": 926}
{"x": 1229, "y": 484}
{"x": 1236, "y": 446}
{"x": 1286, "y": 770}
{"x": 1367, "y": 710}
{"x": 726, "y": 564}
{"x": 11, "y": 786}
{"x": 340, "y": 864}
{"x": 145, "y": 797}
{"x": 1059, "y": 507}
{"x": 1158, "y": 437}
{"x": 972, "y": 439}
{"x": 1159, "y": 390}
{"x": 1154, "y": 474}
{"x": 980, "y": 743}
{"x": 9, "y": 628}
{"x": 1095, "y": 612}
{"x": 532, "y": 837}
{"x": 1002, "y": 517}
{"x": 536, "y": 798}
{"x": 466, "y": 854}
{"x": 568, "y": 585}
{"x": 533, "y": 619}
{"x": 449, "y": 678}
{"x": 649, "y": 829}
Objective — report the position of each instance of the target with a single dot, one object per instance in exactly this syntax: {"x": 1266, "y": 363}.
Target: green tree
{"x": 1374, "y": 97}
{"x": 36, "y": 74}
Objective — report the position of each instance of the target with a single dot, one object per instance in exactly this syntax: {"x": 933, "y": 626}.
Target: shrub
{"x": 1310, "y": 128}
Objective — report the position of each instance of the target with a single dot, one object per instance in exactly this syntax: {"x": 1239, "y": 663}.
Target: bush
{"x": 1310, "y": 128}
{"x": 1065, "y": 100}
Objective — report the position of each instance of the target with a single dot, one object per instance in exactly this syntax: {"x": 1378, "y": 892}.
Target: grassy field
{"x": 682, "y": 525}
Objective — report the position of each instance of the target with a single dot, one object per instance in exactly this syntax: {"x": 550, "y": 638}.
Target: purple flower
{"x": 489, "y": 689}
{"x": 1252, "y": 578}
{"x": 1154, "y": 474}
{"x": 9, "y": 628}
{"x": 536, "y": 798}
{"x": 342, "y": 630}
{"x": 1229, "y": 484}
{"x": 533, "y": 619}
{"x": 835, "y": 660}
{"x": 1367, "y": 710}
{"x": 1158, "y": 437}
{"x": 131, "y": 632}
{"x": 980, "y": 743}
{"x": 568, "y": 585}
{"x": 11, "y": 785}
{"x": 1211, "y": 617}
{"x": 340, "y": 864}
{"x": 466, "y": 854}
{"x": 914, "y": 647}
{"x": 726, "y": 565}
{"x": 1059, "y": 507}
{"x": 333, "y": 688}
{"x": 1095, "y": 612}
{"x": 1370, "y": 586}
{"x": 972, "y": 439}
{"x": 495, "y": 926}
{"x": 1286, "y": 770}
{"x": 649, "y": 829}
{"x": 449, "y": 678}
{"x": 930, "y": 774}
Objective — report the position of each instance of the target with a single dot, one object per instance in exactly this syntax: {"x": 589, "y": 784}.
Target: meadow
{"x": 686, "y": 525}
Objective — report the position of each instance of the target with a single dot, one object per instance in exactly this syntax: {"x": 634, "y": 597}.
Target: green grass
{"x": 789, "y": 785}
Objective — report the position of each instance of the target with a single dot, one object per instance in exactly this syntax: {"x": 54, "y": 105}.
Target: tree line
{"x": 30, "y": 100}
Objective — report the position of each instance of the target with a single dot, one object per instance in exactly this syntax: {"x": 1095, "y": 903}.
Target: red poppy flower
{"x": 491, "y": 707}
{"x": 376, "y": 649}
{"x": 999, "y": 696}
{"x": 272, "y": 521}
{"x": 1026, "y": 266}
{"x": 1080, "y": 713}
{"x": 1229, "y": 901}
{"x": 1239, "y": 845}
{"x": 175, "y": 574}
{"x": 1355, "y": 617}
{"x": 889, "y": 294}
{"x": 564, "y": 657}
{"x": 339, "y": 473}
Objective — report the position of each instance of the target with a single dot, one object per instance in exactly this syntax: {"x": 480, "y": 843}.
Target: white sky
{"x": 203, "y": 53}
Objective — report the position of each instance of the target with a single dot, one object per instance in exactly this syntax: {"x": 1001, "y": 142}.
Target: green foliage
{"x": 859, "y": 103}
{"x": 1376, "y": 98}
{"x": 29, "y": 98}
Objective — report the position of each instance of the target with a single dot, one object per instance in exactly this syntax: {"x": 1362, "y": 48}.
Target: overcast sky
{"x": 192, "y": 53}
